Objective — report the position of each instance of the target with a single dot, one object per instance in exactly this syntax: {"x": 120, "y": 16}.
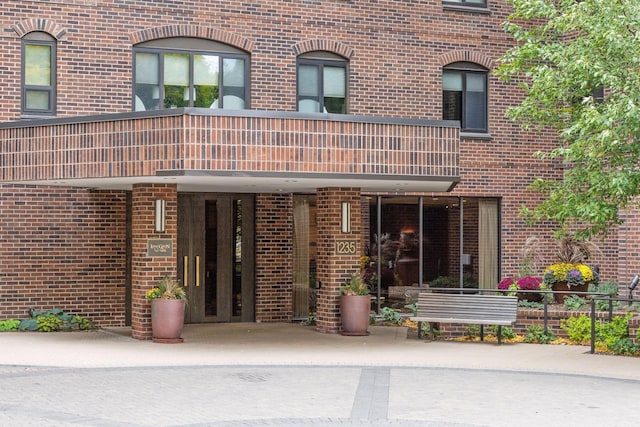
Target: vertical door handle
{"x": 197, "y": 270}
{"x": 185, "y": 271}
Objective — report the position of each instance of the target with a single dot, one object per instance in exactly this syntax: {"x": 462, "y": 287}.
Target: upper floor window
{"x": 189, "y": 72}
{"x": 38, "y": 74}
{"x": 464, "y": 96}
{"x": 470, "y": 3}
{"x": 322, "y": 83}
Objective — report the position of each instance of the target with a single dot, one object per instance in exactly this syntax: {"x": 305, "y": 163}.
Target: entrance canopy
{"x": 245, "y": 151}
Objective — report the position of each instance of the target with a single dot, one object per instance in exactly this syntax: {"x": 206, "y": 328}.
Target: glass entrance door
{"x": 216, "y": 256}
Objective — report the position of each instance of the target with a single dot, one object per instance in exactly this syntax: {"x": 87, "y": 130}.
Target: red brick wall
{"x": 274, "y": 257}
{"x": 335, "y": 270}
{"x": 63, "y": 248}
{"x": 146, "y": 271}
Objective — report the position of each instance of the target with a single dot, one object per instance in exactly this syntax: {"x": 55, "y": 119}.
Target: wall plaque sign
{"x": 160, "y": 247}
{"x": 346, "y": 247}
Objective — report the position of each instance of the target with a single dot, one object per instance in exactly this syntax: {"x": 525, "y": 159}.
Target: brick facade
{"x": 65, "y": 243}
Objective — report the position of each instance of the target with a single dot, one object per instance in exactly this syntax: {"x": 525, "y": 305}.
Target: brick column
{"x": 334, "y": 268}
{"x": 146, "y": 270}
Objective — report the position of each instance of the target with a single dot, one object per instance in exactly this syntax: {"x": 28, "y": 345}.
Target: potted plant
{"x": 168, "y": 301}
{"x": 355, "y": 306}
{"x": 571, "y": 273}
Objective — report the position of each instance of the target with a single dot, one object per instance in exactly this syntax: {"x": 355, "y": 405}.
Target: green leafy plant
{"x": 9, "y": 325}
{"x": 507, "y": 333}
{"x": 531, "y": 305}
{"x": 413, "y": 308}
{"x": 49, "y": 323}
{"x": 168, "y": 288}
{"x": 355, "y": 286}
{"x": 536, "y": 334}
{"x": 575, "y": 303}
{"x": 390, "y": 315}
{"x": 473, "y": 331}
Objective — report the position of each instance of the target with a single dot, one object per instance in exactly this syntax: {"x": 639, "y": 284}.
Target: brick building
{"x": 256, "y": 150}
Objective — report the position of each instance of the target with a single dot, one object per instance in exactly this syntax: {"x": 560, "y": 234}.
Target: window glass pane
{"x": 308, "y": 106}
{"x": 234, "y": 84}
{"x": 37, "y": 65}
{"x": 176, "y": 69}
{"x": 475, "y": 82}
{"x": 147, "y": 68}
{"x": 475, "y": 111}
{"x": 37, "y": 100}
{"x": 452, "y": 80}
{"x": 308, "y": 81}
{"x": 334, "y": 82}
{"x": 147, "y": 89}
{"x": 176, "y": 80}
{"x": 206, "y": 80}
{"x": 452, "y": 105}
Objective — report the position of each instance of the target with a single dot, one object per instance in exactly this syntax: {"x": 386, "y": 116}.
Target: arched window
{"x": 189, "y": 72}
{"x": 322, "y": 83}
{"x": 38, "y": 74}
{"x": 464, "y": 96}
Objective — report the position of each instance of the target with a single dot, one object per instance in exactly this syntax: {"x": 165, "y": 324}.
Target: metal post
{"x": 593, "y": 326}
{"x": 461, "y": 243}
{"x": 546, "y": 319}
{"x": 421, "y": 239}
{"x": 379, "y": 250}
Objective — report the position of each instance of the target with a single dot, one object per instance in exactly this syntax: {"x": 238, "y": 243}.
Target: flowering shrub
{"x": 573, "y": 274}
{"x": 168, "y": 288}
{"x": 506, "y": 283}
{"x": 529, "y": 283}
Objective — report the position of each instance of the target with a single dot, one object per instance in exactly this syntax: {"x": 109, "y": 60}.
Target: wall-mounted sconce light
{"x": 161, "y": 213}
{"x": 346, "y": 217}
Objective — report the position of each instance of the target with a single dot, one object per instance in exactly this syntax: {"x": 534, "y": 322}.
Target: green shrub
{"x": 507, "y": 333}
{"x": 473, "y": 331}
{"x": 9, "y": 325}
{"x": 578, "y": 328}
{"x": 536, "y": 334}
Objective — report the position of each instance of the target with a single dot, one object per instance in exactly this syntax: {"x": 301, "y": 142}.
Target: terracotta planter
{"x": 354, "y": 312}
{"x": 562, "y": 286}
{"x": 167, "y": 320}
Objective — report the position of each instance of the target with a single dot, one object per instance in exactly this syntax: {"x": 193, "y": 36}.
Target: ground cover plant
{"x": 48, "y": 321}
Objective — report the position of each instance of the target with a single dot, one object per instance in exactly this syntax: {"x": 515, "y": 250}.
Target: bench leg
{"x": 481, "y": 332}
{"x": 499, "y": 334}
{"x": 419, "y": 330}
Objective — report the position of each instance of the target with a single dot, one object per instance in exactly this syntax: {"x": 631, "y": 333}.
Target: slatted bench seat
{"x": 473, "y": 309}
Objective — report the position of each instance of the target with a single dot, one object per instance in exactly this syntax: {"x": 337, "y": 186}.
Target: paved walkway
{"x": 290, "y": 375}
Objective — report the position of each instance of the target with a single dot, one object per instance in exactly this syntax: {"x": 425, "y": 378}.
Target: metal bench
{"x": 473, "y": 309}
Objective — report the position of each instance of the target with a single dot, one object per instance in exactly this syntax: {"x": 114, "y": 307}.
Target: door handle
{"x": 197, "y": 270}
{"x": 185, "y": 271}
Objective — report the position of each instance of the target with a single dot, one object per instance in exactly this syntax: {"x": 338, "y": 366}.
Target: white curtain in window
{"x": 334, "y": 82}
{"x": 301, "y": 258}
{"x": 205, "y": 70}
{"x": 147, "y": 68}
{"x": 452, "y": 80}
{"x": 488, "y": 244}
{"x": 308, "y": 80}
{"x": 176, "y": 69}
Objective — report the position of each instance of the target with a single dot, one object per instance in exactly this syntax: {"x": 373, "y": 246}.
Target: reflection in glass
{"x": 176, "y": 80}
{"x": 206, "y": 69}
{"x": 147, "y": 88}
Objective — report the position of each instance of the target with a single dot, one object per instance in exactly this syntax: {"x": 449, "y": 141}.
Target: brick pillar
{"x": 334, "y": 268}
{"x": 147, "y": 270}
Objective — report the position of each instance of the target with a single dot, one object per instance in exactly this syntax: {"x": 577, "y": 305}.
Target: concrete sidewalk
{"x": 279, "y": 344}
{"x": 239, "y": 375}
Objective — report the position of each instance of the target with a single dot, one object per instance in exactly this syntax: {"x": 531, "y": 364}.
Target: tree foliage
{"x": 567, "y": 51}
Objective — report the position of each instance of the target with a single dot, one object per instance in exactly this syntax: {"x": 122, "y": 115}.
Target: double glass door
{"x": 216, "y": 256}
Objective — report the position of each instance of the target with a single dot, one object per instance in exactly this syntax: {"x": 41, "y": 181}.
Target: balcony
{"x": 235, "y": 151}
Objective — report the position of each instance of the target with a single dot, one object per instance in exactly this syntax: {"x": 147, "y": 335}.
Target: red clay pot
{"x": 354, "y": 311}
{"x": 167, "y": 320}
